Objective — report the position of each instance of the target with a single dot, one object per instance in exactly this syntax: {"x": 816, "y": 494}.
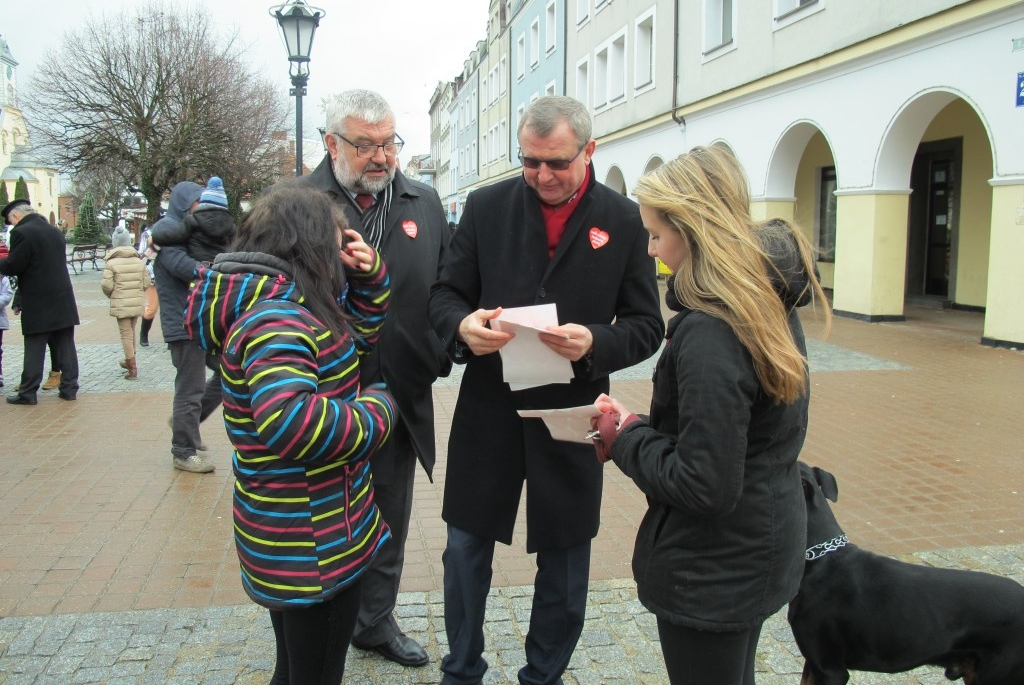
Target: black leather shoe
{"x": 65, "y": 396}
{"x": 401, "y": 649}
{"x": 20, "y": 399}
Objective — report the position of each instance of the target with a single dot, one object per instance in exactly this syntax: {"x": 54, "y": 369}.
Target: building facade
{"x": 890, "y": 132}
{"x": 16, "y": 162}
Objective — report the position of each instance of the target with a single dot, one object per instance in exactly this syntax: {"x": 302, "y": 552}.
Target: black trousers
{"x": 312, "y": 642}
{"x": 62, "y": 344}
{"x": 702, "y": 657}
{"x": 392, "y": 493}
{"x": 556, "y": 617}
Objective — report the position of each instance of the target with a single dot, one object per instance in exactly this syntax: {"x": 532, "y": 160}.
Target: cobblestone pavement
{"x": 864, "y": 379}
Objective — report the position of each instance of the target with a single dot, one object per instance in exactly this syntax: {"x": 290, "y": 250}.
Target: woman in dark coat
{"x": 721, "y": 547}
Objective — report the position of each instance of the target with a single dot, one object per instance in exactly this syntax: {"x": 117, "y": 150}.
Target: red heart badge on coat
{"x": 598, "y": 238}
{"x": 410, "y": 228}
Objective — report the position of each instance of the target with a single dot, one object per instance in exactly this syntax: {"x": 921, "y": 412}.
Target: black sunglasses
{"x": 553, "y": 164}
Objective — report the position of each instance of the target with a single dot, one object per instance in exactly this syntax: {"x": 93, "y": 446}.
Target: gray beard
{"x": 356, "y": 182}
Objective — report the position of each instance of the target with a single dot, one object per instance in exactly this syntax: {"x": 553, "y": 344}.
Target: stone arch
{"x": 780, "y": 176}
{"x": 653, "y": 163}
{"x": 615, "y": 180}
{"x": 903, "y": 135}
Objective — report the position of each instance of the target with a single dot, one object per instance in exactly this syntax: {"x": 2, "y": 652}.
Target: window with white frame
{"x": 535, "y": 96}
{"x": 494, "y": 144}
{"x": 520, "y": 111}
{"x": 472, "y": 156}
{"x": 535, "y": 43}
{"x": 582, "y": 11}
{"x": 550, "y": 27}
{"x": 643, "y": 48}
{"x": 503, "y": 138}
{"x": 784, "y": 7}
{"x": 484, "y": 149}
{"x": 617, "y": 67}
{"x": 521, "y": 56}
{"x": 494, "y": 86}
{"x": 474, "y": 104}
{"x": 583, "y": 82}
{"x": 550, "y": 88}
{"x": 483, "y": 89}
{"x": 601, "y": 77}
{"x": 718, "y": 23}
{"x": 502, "y": 76}
{"x": 601, "y": 4}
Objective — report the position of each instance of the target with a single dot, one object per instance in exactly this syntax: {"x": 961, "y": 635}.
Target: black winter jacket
{"x": 721, "y": 546}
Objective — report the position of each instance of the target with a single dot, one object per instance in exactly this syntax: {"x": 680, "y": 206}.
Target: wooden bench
{"x": 81, "y": 255}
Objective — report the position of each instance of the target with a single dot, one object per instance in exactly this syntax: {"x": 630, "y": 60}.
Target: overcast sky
{"x": 400, "y": 48}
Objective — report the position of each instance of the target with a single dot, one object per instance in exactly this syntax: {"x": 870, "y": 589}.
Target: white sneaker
{"x": 193, "y": 464}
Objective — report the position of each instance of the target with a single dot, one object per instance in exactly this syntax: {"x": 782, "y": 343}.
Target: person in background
{"x": 291, "y": 312}
{"x": 151, "y": 303}
{"x": 721, "y": 547}
{"x": 403, "y": 220}
{"x": 6, "y": 297}
{"x": 553, "y": 235}
{"x": 50, "y": 313}
{"x": 123, "y": 281}
{"x": 196, "y": 228}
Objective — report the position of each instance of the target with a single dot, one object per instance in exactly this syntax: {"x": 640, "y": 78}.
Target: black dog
{"x": 858, "y": 610}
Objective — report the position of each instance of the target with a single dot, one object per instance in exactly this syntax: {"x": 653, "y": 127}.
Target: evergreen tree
{"x": 87, "y": 230}
{"x": 21, "y": 190}
{"x": 4, "y": 198}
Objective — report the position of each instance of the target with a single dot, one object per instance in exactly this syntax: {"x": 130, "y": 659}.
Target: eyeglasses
{"x": 370, "y": 149}
{"x": 553, "y": 164}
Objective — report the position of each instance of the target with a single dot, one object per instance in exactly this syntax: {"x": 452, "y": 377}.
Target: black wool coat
{"x": 38, "y": 259}
{"x": 408, "y": 357}
{"x": 499, "y": 257}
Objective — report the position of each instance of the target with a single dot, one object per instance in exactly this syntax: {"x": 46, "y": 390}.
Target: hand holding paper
{"x": 480, "y": 339}
{"x": 527, "y": 361}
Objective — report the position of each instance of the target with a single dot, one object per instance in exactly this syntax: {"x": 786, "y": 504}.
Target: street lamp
{"x": 298, "y": 22}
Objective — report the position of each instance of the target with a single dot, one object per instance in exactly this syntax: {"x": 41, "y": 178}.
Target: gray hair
{"x": 546, "y": 113}
{"x": 367, "y": 105}
{"x": 21, "y": 211}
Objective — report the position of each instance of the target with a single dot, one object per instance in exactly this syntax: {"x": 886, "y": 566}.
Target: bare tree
{"x": 163, "y": 99}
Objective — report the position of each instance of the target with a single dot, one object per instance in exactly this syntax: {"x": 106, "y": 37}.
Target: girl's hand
{"x": 356, "y": 255}
{"x": 607, "y": 405}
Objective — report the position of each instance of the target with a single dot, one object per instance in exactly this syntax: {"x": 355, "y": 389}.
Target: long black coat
{"x": 38, "y": 259}
{"x": 408, "y": 357}
{"x": 499, "y": 257}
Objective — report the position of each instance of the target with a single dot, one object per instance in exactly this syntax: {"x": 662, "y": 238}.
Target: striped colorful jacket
{"x": 306, "y": 524}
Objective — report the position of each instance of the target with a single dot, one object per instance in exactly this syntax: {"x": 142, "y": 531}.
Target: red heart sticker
{"x": 410, "y": 228}
{"x": 598, "y": 238}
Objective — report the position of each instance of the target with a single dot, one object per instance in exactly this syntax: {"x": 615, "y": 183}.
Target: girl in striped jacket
{"x": 306, "y": 525}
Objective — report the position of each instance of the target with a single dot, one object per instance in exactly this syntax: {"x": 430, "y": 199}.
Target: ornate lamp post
{"x": 298, "y": 22}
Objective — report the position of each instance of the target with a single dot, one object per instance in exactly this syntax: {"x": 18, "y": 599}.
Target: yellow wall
{"x": 816, "y": 155}
{"x": 871, "y": 255}
{"x": 958, "y": 119}
{"x": 1004, "y": 314}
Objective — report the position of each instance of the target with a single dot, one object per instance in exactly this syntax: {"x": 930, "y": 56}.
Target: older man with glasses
{"x": 403, "y": 220}
{"x": 554, "y": 235}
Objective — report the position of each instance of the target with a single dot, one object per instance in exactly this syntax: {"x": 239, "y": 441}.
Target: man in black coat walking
{"x": 49, "y": 311}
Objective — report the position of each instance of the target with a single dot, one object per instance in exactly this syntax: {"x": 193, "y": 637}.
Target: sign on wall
{"x": 1020, "y": 88}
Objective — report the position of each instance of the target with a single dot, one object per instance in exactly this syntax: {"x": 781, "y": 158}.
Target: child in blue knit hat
{"x": 208, "y": 228}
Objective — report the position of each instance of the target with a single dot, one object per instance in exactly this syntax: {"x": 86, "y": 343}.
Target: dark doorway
{"x": 932, "y": 229}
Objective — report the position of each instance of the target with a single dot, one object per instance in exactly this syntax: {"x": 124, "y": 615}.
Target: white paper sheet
{"x": 526, "y": 361}
{"x": 571, "y": 425}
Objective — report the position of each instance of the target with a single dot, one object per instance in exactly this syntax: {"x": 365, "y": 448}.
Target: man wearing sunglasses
{"x": 553, "y": 235}
{"x": 404, "y": 221}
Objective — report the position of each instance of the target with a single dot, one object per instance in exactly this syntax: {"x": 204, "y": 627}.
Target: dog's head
{"x": 819, "y": 487}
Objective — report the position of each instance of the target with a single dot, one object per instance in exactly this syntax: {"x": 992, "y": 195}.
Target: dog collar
{"x": 823, "y": 548}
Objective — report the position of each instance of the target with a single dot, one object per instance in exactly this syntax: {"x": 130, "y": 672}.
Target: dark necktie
{"x": 364, "y": 201}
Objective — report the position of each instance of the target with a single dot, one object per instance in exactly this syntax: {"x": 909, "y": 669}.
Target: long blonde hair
{"x": 728, "y": 270}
